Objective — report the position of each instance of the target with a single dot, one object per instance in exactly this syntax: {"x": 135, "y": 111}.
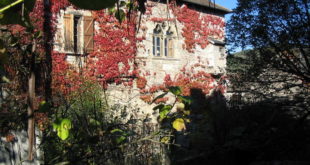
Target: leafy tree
{"x": 278, "y": 29}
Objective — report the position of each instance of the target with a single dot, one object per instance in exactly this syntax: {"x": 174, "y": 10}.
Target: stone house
{"x": 170, "y": 37}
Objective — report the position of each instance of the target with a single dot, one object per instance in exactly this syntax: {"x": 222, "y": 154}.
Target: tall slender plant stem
{"x": 11, "y": 5}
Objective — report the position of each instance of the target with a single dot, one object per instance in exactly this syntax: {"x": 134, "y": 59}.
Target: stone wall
{"x": 16, "y": 151}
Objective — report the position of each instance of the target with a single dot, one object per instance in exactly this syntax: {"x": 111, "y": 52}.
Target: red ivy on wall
{"x": 115, "y": 49}
{"x": 197, "y": 27}
{"x": 193, "y": 77}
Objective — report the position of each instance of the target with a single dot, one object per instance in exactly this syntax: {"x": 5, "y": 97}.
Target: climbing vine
{"x": 189, "y": 77}
{"x": 197, "y": 26}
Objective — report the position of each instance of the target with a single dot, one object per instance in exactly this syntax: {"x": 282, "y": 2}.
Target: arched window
{"x": 163, "y": 41}
{"x": 157, "y": 40}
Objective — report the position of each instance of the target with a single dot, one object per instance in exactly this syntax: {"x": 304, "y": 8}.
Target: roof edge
{"x": 209, "y": 4}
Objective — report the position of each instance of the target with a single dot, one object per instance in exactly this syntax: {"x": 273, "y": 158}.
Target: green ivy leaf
{"x": 163, "y": 114}
{"x": 186, "y": 99}
{"x": 94, "y": 4}
{"x": 44, "y": 106}
{"x": 120, "y": 139}
{"x": 38, "y": 34}
{"x": 164, "y": 111}
{"x": 112, "y": 10}
{"x": 160, "y": 96}
{"x": 160, "y": 106}
{"x": 117, "y": 130}
{"x": 119, "y": 134}
{"x": 94, "y": 122}
{"x": 120, "y": 15}
{"x": 175, "y": 90}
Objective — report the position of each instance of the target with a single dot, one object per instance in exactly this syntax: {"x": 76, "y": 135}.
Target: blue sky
{"x": 230, "y": 4}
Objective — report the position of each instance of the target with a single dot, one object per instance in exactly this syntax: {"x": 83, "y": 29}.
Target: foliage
{"x": 197, "y": 27}
{"x": 190, "y": 77}
{"x": 97, "y": 135}
{"x": 278, "y": 30}
{"x": 245, "y": 66}
{"x": 172, "y": 121}
{"x": 81, "y": 124}
{"x": 14, "y": 14}
{"x": 62, "y": 126}
{"x": 94, "y": 5}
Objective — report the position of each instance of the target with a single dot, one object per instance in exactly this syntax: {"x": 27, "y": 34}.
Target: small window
{"x": 162, "y": 44}
{"x": 222, "y": 51}
{"x": 79, "y": 32}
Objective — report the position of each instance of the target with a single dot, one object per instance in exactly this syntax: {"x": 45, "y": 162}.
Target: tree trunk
{"x": 31, "y": 99}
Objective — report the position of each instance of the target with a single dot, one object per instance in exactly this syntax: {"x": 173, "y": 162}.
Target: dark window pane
{"x": 157, "y": 41}
{"x": 158, "y": 51}
{"x": 166, "y": 47}
{"x": 154, "y": 46}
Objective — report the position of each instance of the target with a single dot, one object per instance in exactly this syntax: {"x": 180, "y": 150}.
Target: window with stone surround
{"x": 78, "y": 33}
{"x": 163, "y": 41}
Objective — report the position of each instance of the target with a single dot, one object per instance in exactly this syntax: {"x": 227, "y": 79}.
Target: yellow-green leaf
{"x": 66, "y": 124}
{"x": 175, "y": 90}
{"x": 180, "y": 106}
{"x": 165, "y": 139}
{"x": 63, "y": 134}
{"x": 62, "y": 126}
{"x": 178, "y": 124}
{"x": 187, "y": 112}
{"x": 5, "y": 79}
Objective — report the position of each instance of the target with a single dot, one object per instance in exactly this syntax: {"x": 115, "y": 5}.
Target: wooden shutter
{"x": 88, "y": 34}
{"x": 68, "y": 28}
